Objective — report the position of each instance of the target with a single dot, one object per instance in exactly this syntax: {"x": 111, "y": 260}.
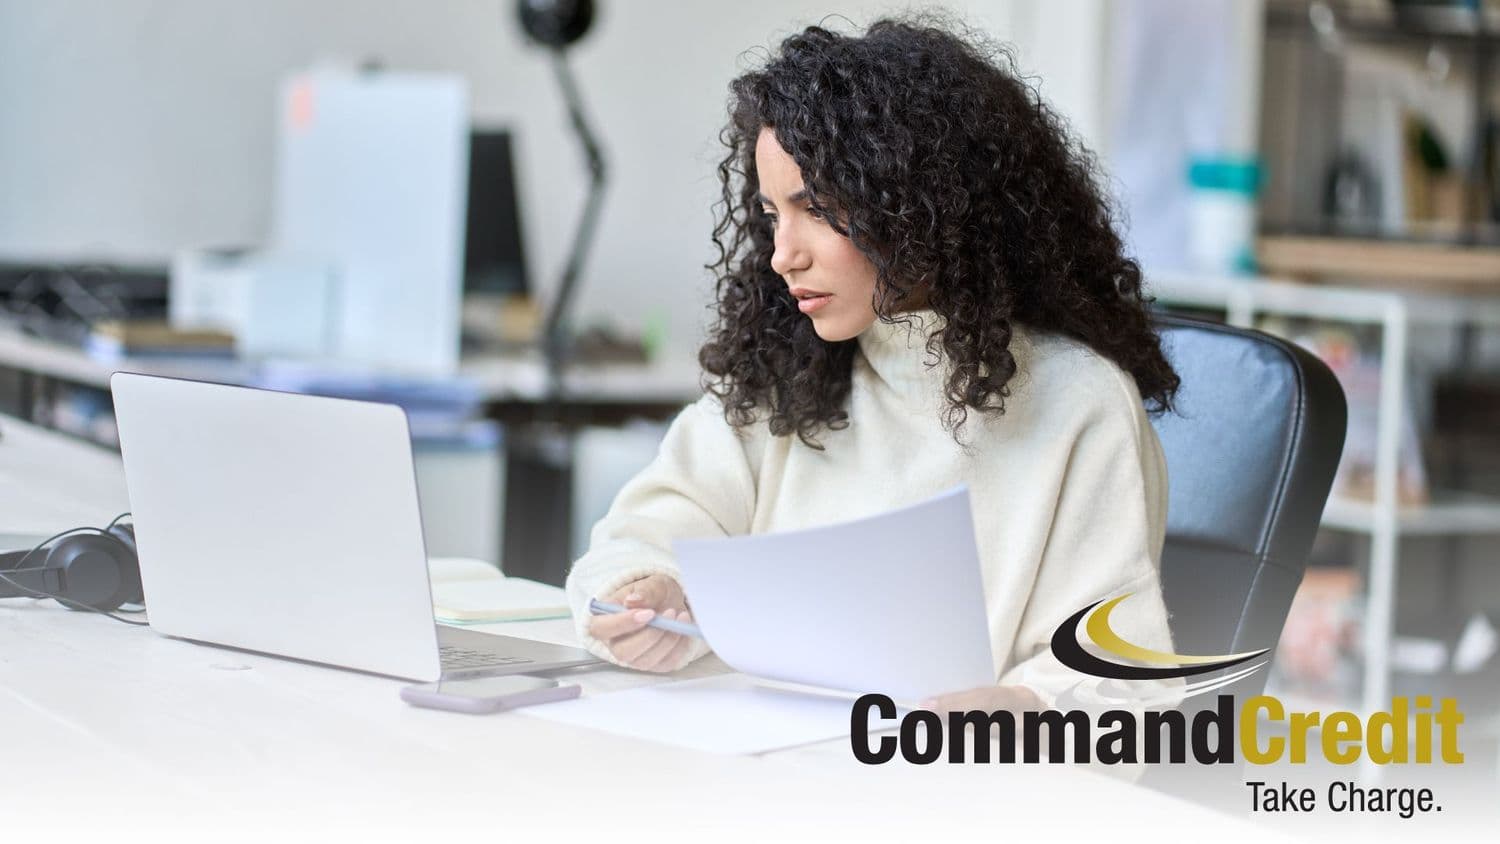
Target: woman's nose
{"x": 791, "y": 252}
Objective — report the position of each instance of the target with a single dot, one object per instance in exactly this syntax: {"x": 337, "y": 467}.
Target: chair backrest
{"x": 1251, "y": 450}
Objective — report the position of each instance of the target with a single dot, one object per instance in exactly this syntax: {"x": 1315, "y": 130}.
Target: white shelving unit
{"x": 1381, "y": 519}
{"x": 1449, "y": 514}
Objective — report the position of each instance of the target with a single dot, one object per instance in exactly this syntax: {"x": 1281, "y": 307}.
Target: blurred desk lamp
{"x": 557, "y": 24}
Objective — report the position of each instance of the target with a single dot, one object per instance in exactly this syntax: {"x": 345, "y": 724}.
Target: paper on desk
{"x": 725, "y": 714}
{"x": 893, "y": 603}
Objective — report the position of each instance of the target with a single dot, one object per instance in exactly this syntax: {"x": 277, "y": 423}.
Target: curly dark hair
{"x": 963, "y": 189}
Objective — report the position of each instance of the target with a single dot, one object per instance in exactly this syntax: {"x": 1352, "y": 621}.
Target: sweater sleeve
{"x": 700, "y": 485}
{"x": 1105, "y": 540}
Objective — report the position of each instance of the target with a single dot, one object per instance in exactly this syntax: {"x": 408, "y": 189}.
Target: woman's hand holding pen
{"x": 626, "y": 634}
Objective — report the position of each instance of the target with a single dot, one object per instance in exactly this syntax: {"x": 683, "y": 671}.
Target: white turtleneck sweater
{"x": 1068, "y": 489}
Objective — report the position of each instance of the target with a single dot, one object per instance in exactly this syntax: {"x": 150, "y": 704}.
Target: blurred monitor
{"x": 494, "y": 261}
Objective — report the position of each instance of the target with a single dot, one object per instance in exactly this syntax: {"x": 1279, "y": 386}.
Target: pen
{"x": 681, "y": 628}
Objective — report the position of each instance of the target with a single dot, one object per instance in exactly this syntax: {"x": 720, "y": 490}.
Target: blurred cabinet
{"x": 460, "y": 487}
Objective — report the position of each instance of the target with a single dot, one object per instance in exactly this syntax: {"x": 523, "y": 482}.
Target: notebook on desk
{"x": 290, "y": 525}
{"x": 467, "y": 591}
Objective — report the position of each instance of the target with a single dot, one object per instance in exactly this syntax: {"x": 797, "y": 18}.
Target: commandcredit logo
{"x": 1117, "y": 727}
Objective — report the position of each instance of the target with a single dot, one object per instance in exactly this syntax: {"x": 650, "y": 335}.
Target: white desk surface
{"x": 51, "y": 482}
{"x": 111, "y": 728}
{"x": 519, "y": 377}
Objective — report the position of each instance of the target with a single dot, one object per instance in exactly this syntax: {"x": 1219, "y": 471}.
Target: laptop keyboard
{"x": 457, "y": 657}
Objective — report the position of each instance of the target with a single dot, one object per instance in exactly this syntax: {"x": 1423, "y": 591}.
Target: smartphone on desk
{"x": 481, "y": 695}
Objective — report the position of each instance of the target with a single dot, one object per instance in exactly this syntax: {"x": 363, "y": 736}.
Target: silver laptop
{"x": 289, "y": 525}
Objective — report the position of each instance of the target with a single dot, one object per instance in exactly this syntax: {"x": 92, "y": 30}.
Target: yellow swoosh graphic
{"x": 1099, "y": 631}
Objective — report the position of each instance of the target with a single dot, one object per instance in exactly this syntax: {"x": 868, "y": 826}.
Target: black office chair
{"x": 1251, "y": 450}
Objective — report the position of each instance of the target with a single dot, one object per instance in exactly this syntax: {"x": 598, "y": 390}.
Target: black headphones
{"x": 84, "y": 568}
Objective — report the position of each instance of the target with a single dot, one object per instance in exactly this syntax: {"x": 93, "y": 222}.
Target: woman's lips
{"x": 813, "y": 303}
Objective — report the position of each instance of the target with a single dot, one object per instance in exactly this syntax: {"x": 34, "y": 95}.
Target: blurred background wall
{"x": 132, "y": 129}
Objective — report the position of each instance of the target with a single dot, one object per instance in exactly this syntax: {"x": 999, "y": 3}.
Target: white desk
{"x": 111, "y": 728}
{"x": 517, "y": 378}
{"x": 49, "y": 482}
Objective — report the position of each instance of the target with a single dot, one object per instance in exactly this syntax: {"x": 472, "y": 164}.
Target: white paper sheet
{"x": 724, "y": 714}
{"x": 893, "y": 603}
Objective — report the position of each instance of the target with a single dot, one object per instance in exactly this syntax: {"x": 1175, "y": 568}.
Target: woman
{"x": 919, "y": 285}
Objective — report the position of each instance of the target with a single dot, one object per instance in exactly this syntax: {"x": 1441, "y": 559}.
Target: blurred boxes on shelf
{"x": 115, "y": 339}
